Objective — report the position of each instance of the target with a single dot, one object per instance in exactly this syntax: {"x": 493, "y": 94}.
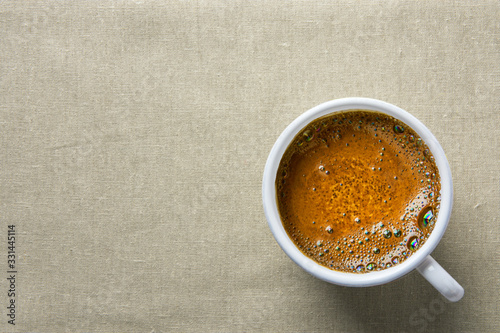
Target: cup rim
{"x": 274, "y": 220}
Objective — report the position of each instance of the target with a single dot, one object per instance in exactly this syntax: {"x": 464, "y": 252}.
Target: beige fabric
{"x": 134, "y": 136}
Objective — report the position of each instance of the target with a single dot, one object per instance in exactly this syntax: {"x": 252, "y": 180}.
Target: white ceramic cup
{"x": 420, "y": 260}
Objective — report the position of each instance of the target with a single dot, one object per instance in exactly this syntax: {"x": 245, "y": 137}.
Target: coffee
{"x": 358, "y": 191}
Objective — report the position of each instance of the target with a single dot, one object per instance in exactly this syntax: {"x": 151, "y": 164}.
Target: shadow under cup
{"x": 269, "y": 195}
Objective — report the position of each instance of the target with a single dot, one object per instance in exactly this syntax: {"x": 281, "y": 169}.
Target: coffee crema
{"x": 358, "y": 191}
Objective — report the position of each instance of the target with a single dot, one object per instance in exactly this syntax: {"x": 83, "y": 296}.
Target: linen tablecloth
{"x": 134, "y": 136}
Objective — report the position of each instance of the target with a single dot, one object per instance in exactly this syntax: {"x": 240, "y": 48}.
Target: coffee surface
{"x": 358, "y": 191}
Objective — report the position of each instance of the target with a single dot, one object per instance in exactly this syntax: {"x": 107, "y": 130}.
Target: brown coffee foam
{"x": 331, "y": 191}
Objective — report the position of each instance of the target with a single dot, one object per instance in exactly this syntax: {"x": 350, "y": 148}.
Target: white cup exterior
{"x": 344, "y": 278}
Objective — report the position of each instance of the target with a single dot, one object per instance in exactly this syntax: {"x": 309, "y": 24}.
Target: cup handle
{"x": 440, "y": 279}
